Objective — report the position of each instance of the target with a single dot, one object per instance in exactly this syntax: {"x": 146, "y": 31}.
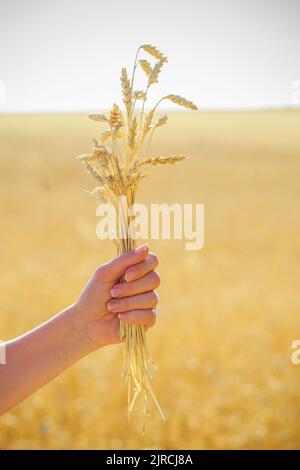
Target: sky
{"x": 66, "y": 55}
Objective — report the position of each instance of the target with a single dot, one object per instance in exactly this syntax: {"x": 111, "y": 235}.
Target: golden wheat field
{"x": 227, "y": 314}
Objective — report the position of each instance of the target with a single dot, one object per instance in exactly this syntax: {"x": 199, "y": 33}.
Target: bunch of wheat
{"x": 118, "y": 170}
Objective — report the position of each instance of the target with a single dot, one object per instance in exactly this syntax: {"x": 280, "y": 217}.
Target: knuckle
{"x": 100, "y": 271}
{"x": 126, "y": 289}
{"x": 123, "y": 288}
{"x": 125, "y": 256}
{"x": 125, "y": 303}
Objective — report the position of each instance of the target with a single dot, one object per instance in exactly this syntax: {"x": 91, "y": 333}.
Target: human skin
{"x": 92, "y": 322}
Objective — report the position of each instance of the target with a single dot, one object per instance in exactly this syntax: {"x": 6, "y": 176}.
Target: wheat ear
{"x": 172, "y": 159}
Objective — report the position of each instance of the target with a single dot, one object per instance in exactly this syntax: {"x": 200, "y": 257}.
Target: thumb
{"x": 114, "y": 269}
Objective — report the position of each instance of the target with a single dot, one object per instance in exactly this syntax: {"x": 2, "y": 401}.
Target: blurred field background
{"x": 227, "y": 315}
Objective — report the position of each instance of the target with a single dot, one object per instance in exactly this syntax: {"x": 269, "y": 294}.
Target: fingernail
{"x": 111, "y": 306}
{"x": 116, "y": 291}
{"x": 141, "y": 249}
{"x": 130, "y": 274}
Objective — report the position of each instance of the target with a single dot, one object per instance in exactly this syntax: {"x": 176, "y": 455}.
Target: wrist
{"x": 77, "y": 331}
{"x": 89, "y": 333}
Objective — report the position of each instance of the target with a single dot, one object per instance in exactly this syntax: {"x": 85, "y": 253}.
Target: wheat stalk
{"x": 181, "y": 101}
{"x": 171, "y": 160}
{"x": 132, "y": 135}
{"x": 98, "y": 117}
{"x": 118, "y": 170}
{"x": 147, "y": 124}
{"x": 127, "y": 92}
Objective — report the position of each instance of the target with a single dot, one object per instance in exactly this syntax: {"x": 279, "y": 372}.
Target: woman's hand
{"x": 38, "y": 356}
{"x": 104, "y": 300}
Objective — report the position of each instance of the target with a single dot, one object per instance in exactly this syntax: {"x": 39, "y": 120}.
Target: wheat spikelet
{"x": 103, "y": 158}
{"x": 152, "y": 50}
{"x": 161, "y": 121}
{"x": 139, "y": 95}
{"x": 88, "y": 158}
{"x": 153, "y": 78}
{"x": 85, "y": 157}
{"x": 115, "y": 117}
{"x": 146, "y": 67}
{"x": 95, "y": 174}
{"x": 133, "y": 178}
{"x": 181, "y": 101}
{"x": 100, "y": 193}
{"x": 103, "y": 150}
{"x": 147, "y": 123}
{"x": 98, "y": 152}
{"x": 105, "y": 136}
{"x": 126, "y": 89}
{"x": 132, "y": 134}
{"x": 171, "y": 160}
{"x": 104, "y": 164}
{"x": 98, "y": 117}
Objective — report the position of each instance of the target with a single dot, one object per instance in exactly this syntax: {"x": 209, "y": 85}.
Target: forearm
{"x": 37, "y": 357}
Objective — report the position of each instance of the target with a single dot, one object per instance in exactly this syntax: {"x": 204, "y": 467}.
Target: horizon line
{"x": 169, "y": 110}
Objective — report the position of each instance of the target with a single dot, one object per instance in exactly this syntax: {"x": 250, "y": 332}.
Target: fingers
{"x": 147, "y": 300}
{"x": 134, "y": 301}
{"x": 145, "y": 284}
{"x": 115, "y": 269}
{"x": 139, "y": 317}
{"x": 140, "y": 269}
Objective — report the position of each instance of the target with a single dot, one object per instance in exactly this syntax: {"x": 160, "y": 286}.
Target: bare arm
{"x": 37, "y": 357}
